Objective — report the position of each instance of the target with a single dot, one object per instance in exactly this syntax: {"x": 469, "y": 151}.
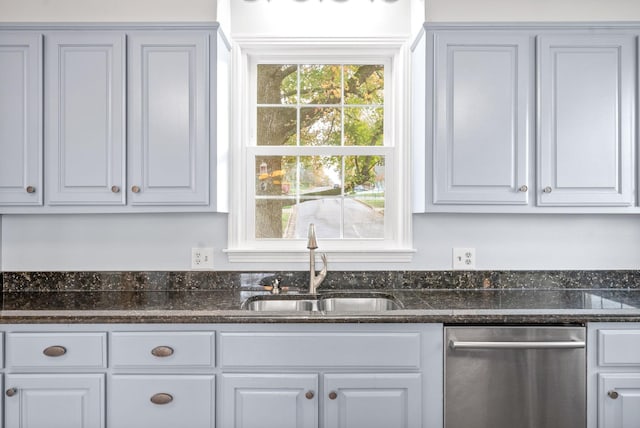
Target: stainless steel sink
{"x": 280, "y": 305}
{"x": 327, "y": 303}
{"x": 358, "y": 304}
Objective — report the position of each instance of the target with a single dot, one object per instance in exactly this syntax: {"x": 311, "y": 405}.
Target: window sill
{"x": 335, "y": 256}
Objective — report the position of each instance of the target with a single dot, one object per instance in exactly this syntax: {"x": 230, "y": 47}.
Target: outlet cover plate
{"x": 464, "y": 259}
{"x": 202, "y": 258}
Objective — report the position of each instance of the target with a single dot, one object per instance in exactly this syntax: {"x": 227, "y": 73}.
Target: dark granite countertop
{"x": 477, "y": 306}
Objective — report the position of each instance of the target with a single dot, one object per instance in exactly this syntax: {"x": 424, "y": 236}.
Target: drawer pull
{"x": 161, "y": 398}
{"x": 333, "y": 395}
{"x": 309, "y": 395}
{"x": 55, "y": 351}
{"x": 31, "y": 189}
{"x": 162, "y": 351}
{"x": 613, "y": 394}
{"x": 11, "y": 392}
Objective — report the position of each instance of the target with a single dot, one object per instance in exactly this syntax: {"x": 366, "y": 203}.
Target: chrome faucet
{"x": 312, "y": 245}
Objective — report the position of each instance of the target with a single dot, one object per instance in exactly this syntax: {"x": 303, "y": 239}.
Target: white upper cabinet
{"x": 114, "y": 118}
{"x": 84, "y": 120}
{"x": 20, "y": 119}
{"x": 169, "y": 119}
{"x": 586, "y": 123}
{"x": 482, "y": 110}
{"x": 526, "y": 119}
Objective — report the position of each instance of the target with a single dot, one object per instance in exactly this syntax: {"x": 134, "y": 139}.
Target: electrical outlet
{"x": 464, "y": 259}
{"x": 202, "y": 258}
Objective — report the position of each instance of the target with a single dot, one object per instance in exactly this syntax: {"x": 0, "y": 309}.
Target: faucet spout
{"x": 315, "y": 279}
{"x": 312, "y": 242}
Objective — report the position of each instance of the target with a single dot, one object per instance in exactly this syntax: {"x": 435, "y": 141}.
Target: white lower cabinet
{"x": 258, "y": 400}
{"x": 159, "y": 401}
{"x": 54, "y": 401}
{"x": 331, "y": 376}
{"x": 222, "y": 375}
{"x": 372, "y": 400}
{"x": 363, "y": 400}
{"x": 619, "y": 396}
{"x": 613, "y": 359}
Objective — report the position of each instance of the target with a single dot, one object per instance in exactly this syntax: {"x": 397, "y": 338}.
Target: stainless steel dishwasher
{"x": 515, "y": 377}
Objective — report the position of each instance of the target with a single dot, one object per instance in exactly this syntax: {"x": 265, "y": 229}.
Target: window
{"x": 327, "y": 123}
{"x": 320, "y": 141}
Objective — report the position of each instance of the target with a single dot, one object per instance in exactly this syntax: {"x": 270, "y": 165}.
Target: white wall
{"x": 532, "y": 10}
{"x": 163, "y": 241}
{"x": 313, "y": 18}
{"x": 107, "y": 10}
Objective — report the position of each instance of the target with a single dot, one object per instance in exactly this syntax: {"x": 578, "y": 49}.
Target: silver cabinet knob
{"x": 309, "y": 395}
{"x": 547, "y": 189}
{"x": 613, "y": 394}
{"x": 135, "y": 189}
{"x": 161, "y": 398}
{"x": 162, "y": 351}
{"x": 11, "y": 392}
{"x": 55, "y": 351}
{"x": 523, "y": 188}
{"x": 333, "y": 395}
{"x": 115, "y": 189}
{"x": 30, "y": 189}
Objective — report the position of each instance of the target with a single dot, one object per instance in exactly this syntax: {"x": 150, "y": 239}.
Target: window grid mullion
{"x": 342, "y": 95}
{"x": 298, "y": 118}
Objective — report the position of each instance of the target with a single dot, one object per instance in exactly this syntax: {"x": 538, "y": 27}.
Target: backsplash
{"x": 209, "y": 280}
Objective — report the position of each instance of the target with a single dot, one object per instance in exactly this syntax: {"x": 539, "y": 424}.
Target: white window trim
{"x": 397, "y": 249}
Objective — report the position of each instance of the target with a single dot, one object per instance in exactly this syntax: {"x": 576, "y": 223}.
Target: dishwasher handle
{"x": 571, "y": 344}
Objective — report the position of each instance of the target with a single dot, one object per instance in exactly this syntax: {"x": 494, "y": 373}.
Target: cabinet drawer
{"x": 166, "y": 349}
{"x": 56, "y": 350}
{"x": 396, "y": 350}
{"x": 618, "y": 347}
{"x": 161, "y": 401}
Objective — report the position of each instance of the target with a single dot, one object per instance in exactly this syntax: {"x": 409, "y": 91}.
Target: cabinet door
{"x": 619, "y": 401}
{"x": 372, "y": 400}
{"x": 168, "y": 119}
{"x": 269, "y": 401}
{"x": 20, "y": 119}
{"x": 84, "y": 118}
{"x": 140, "y": 401}
{"x": 482, "y": 109}
{"x": 54, "y": 401}
{"x": 586, "y": 126}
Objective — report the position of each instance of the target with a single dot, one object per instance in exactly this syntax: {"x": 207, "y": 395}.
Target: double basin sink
{"x": 322, "y": 303}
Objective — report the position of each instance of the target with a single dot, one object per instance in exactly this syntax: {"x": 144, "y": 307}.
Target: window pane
{"x": 363, "y": 126}
{"x": 275, "y": 175}
{"x": 276, "y": 126}
{"x": 364, "y": 84}
{"x": 324, "y": 212}
{"x": 273, "y": 217}
{"x": 363, "y": 173}
{"x": 277, "y": 84}
{"x": 364, "y": 216}
{"x": 320, "y": 126}
{"x": 320, "y": 84}
{"x": 320, "y": 175}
